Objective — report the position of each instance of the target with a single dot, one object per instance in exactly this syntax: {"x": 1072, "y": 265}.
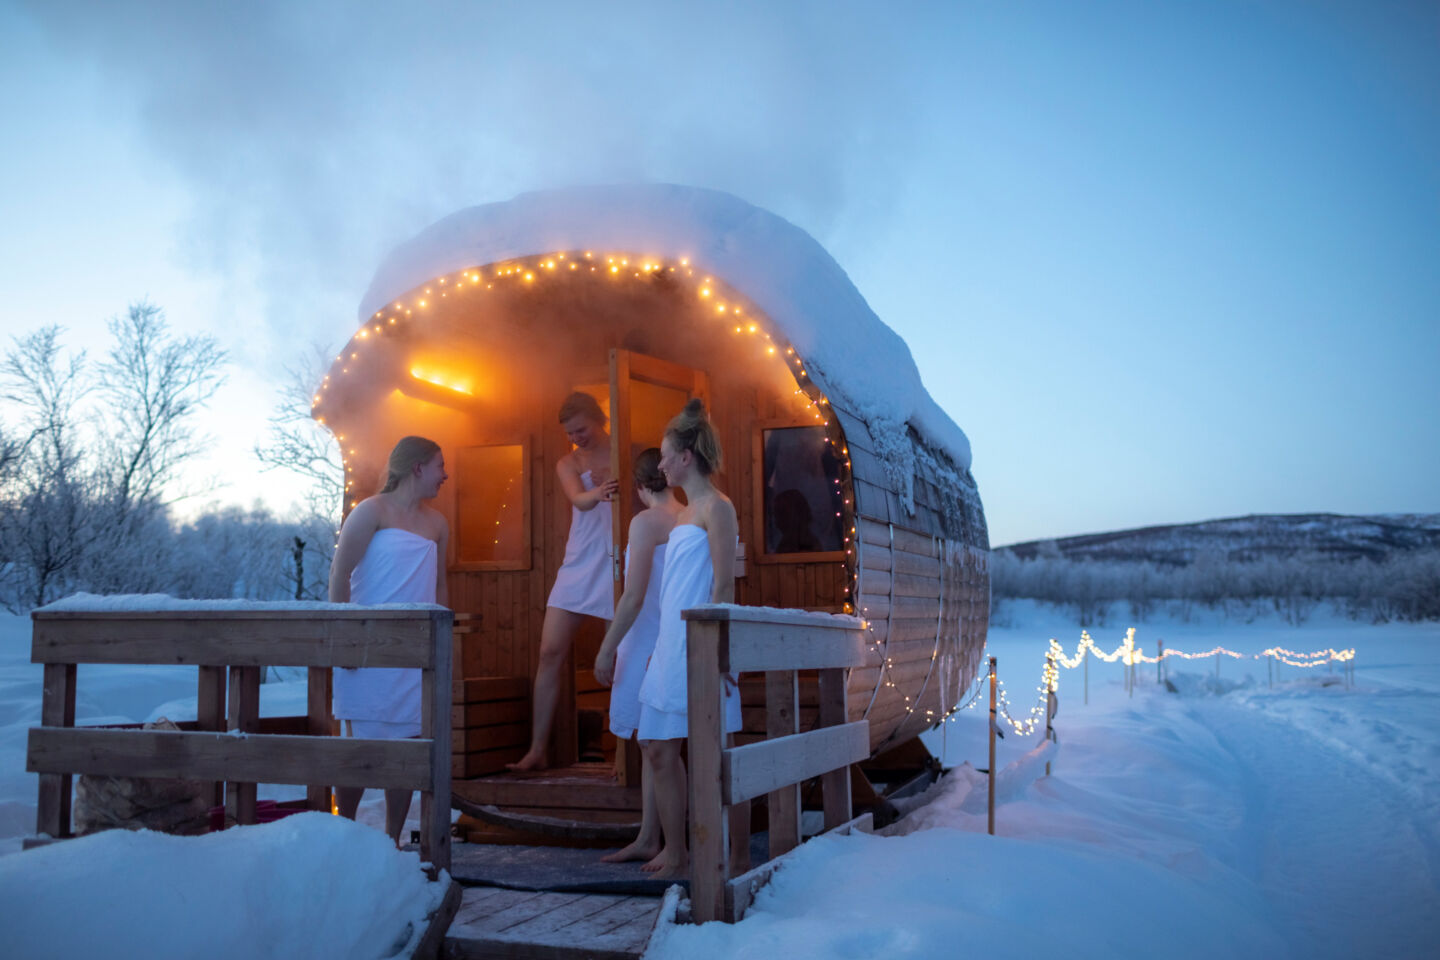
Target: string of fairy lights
{"x": 1128, "y": 653}
{"x": 390, "y": 326}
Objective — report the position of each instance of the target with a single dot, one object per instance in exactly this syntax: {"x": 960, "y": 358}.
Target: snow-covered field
{"x": 1233, "y": 820}
{"x": 1230, "y": 819}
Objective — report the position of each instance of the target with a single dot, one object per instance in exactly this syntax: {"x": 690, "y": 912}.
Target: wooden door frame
{"x": 627, "y": 366}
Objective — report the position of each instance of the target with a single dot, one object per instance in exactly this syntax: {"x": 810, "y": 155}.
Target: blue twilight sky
{"x": 1162, "y": 261}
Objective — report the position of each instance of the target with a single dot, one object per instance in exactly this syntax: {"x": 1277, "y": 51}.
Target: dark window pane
{"x": 803, "y": 499}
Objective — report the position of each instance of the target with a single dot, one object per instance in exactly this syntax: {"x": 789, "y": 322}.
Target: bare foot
{"x": 528, "y": 763}
{"x": 678, "y": 871}
{"x": 666, "y": 866}
{"x": 635, "y": 851}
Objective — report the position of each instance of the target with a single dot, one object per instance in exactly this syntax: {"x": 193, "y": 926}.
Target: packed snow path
{"x": 1336, "y": 849}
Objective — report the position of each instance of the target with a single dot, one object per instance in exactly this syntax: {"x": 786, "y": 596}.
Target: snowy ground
{"x": 1231, "y": 819}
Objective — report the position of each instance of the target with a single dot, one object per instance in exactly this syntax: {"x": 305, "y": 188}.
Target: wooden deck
{"x": 587, "y": 793}
{"x": 497, "y": 923}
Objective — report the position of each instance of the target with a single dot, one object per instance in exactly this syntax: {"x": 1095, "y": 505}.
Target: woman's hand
{"x": 605, "y": 667}
{"x": 608, "y": 489}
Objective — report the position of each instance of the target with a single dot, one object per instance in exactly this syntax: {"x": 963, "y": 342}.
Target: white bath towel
{"x": 398, "y": 567}
{"x": 633, "y": 654}
{"x": 585, "y": 583}
{"x": 664, "y": 696}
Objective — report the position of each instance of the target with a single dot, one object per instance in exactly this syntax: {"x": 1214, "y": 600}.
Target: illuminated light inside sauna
{"x": 444, "y": 381}
{"x": 532, "y": 273}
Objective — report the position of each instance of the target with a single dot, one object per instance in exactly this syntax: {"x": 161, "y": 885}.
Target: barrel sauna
{"x": 853, "y": 488}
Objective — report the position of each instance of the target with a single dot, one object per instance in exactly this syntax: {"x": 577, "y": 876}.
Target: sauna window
{"x": 799, "y": 493}
{"x": 492, "y": 507}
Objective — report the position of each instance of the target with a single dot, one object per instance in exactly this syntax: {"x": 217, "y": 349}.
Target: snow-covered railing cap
{"x": 164, "y": 603}
{"x": 848, "y": 351}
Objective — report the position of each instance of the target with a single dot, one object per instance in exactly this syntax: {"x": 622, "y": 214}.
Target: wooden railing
{"x": 216, "y": 637}
{"x": 730, "y": 640}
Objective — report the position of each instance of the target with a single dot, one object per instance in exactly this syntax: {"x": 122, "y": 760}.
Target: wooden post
{"x": 1050, "y": 703}
{"x": 1217, "y": 664}
{"x": 1269, "y": 670}
{"x": 318, "y": 724}
{"x": 835, "y": 785}
{"x": 708, "y": 854}
{"x": 994, "y": 720}
{"x": 1086, "y": 654}
{"x": 1159, "y": 659}
{"x": 435, "y": 688}
{"x": 244, "y": 711}
{"x": 210, "y": 715}
{"x": 782, "y": 698}
{"x": 57, "y": 709}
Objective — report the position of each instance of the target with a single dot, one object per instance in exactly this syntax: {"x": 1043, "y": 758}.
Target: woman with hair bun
{"x": 628, "y": 643}
{"x": 391, "y": 550}
{"x": 584, "y": 584}
{"x": 699, "y": 568}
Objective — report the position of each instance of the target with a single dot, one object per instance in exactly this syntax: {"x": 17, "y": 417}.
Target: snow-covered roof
{"x": 853, "y": 357}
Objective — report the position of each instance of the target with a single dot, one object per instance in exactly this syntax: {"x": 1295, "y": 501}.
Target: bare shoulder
{"x": 720, "y": 510}
{"x": 436, "y": 523}
{"x": 652, "y": 524}
{"x": 568, "y": 464}
{"x": 368, "y": 512}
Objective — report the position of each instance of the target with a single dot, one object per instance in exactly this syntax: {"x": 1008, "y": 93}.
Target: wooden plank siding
{"x": 904, "y": 575}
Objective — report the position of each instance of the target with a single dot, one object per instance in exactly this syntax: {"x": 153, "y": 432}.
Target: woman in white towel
{"x": 391, "y": 550}
{"x": 584, "y": 586}
{"x": 628, "y": 643}
{"x": 699, "y": 568}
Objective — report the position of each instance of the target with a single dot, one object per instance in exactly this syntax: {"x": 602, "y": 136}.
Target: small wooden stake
{"x": 1269, "y": 670}
{"x": 994, "y": 718}
{"x": 1050, "y": 703}
{"x": 1159, "y": 659}
{"x": 1087, "y": 676}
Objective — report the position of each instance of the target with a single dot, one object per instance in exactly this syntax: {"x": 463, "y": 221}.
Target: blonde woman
{"x": 584, "y": 586}
{"x": 699, "y": 568}
{"x": 628, "y": 643}
{"x": 391, "y": 550}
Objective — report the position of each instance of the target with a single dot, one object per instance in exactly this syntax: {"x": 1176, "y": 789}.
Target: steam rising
{"x": 316, "y": 136}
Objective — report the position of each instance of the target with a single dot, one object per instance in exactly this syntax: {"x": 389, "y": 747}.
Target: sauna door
{"x": 645, "y": 392}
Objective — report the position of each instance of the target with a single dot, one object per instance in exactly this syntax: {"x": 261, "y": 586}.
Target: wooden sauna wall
{"x": 924, "y": 587}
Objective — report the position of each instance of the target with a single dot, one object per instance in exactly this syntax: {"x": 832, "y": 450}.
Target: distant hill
{"x": 1255, "y": 537}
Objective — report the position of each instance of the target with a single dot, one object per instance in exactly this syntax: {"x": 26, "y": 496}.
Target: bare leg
{"x": 556, "y": 635}
{"x": 647, "y": 844}
{"x": 668, "y": 772}
{"x": 347, "y": 800}
{"x": 397, "y": 806}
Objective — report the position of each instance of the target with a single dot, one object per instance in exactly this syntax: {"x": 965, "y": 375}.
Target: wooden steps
{"x": 493, "y": 923}
{"x": 584, "y": 792}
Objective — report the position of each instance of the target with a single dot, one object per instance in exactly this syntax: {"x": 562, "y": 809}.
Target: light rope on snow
{"x": 1129, "y": 653}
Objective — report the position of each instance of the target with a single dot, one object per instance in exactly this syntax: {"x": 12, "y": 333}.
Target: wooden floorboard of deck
{"x": 495, "y": 923}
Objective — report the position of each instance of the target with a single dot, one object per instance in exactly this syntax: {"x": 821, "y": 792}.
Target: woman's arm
{"x": 355, "y": 535}
{"x": 442, "y": 584}
{"x": 574, "y": 487}
{"x": 722, "y": 528}
{"x": 644, "y": 538}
